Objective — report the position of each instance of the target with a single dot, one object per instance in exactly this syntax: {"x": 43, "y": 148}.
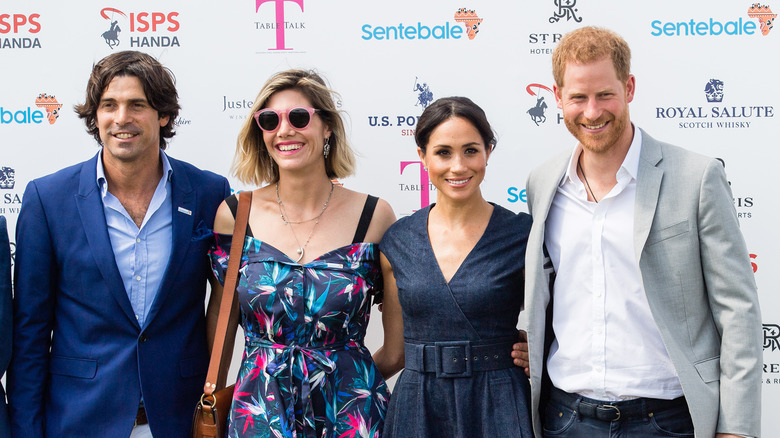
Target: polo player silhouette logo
{"x": 424, "y": 95}
{"x": 537, "y": 112}
{"x": 112, "y": 34}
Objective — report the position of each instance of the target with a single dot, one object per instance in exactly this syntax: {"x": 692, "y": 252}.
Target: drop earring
{"x": 326, "y": 148}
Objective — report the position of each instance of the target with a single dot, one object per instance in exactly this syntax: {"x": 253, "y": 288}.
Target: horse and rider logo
{"x": 537, "y": 112}
{"x": 424, "y": 94}
{"x": 112, "y": 34}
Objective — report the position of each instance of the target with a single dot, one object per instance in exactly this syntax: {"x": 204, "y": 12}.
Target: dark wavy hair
{"x": 446, "y": 108}
{"x": 158, "y": 82}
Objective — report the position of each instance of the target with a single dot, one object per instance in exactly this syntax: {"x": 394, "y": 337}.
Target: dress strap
{"x": 232, "y": 203}
{"x": 365, "y": 219}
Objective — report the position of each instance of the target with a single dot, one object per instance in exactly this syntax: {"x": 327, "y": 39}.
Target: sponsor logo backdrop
{"x": 702, "y": 72}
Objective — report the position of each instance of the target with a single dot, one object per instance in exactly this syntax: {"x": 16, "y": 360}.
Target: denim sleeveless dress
{"x": 459, "y": 380}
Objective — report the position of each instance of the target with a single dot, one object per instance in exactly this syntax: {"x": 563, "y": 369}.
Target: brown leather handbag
{"x": 213, "y": 409}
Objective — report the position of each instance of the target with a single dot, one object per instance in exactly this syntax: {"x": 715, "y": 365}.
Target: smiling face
{"x": 595, "y": 105}
{"x": 291, "y": 148}
{"x": 456, "y": 157}
{"x": 129, "y": 127}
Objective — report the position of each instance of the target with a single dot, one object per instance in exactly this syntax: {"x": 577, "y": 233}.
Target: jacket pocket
{"x": 709, "y": 369}
{"x": 73, "y": 367}
{"x": 668, "y": 232}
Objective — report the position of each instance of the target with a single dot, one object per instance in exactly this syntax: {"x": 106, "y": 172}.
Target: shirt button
{"x": 138, "y": 240}
{"x": 138, "y": 278}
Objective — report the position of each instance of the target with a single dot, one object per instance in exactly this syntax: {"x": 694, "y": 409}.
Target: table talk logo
{"x": 49, "y": 111}
{"x": 721, "y": 113}
{"x": 720, "y": 27}
{"x": 280, "y": 24}
{"x": 463, "y": 19}
{"x": 19, "y": 31}
{"x": 144, "y": 29}
{"x": 566, "y": 10}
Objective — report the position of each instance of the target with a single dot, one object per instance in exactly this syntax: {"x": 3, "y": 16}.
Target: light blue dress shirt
{"x": 141, "y": 254}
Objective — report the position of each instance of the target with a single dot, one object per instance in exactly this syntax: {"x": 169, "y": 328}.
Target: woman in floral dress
{"x": 309, "y": 271}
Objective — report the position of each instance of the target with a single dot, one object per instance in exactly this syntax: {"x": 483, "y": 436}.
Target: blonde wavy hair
{"x": 253, "y": 165}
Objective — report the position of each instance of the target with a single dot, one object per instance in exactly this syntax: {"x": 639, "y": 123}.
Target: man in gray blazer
{"x": 643, "y": 312}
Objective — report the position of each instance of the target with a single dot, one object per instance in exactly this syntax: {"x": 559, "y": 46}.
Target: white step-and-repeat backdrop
{"x": 705, "y": 80}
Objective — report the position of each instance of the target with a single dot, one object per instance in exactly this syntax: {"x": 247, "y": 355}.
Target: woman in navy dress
{"x": 453, "y": 291}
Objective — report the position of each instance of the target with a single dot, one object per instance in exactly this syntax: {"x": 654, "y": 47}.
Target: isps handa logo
{"x": 140, "y": 29}
{"x": 46, "y": 107}
{"x": 464, "y": 19}
{"x": 723, "y": 111}
{"x": 735, "y": 26}
{"x": 20, "y": 31}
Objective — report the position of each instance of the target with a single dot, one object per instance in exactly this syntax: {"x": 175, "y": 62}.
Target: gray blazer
{"x": 697, "y": 276}
{"x": 5, "y": 320}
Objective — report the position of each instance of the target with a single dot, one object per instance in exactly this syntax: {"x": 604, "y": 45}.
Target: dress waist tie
{"x": 284, "y": 366}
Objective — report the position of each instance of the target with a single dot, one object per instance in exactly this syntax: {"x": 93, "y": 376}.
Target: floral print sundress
{"x": 305, "y": 371}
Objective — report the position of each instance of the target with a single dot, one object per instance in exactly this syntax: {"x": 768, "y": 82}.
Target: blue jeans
{"x": 561, "y": 420}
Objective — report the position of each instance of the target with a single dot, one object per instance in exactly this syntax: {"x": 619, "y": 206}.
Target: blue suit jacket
{"x": 81, "y": 360}
{"x": 5, "y": 320}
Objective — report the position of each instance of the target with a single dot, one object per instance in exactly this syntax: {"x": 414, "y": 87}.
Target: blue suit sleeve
{"x": 35, "y": 296}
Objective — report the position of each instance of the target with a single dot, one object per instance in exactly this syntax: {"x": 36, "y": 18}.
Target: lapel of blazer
{"x": 648, "y": 186}
{"x": 182, "y": 198}
{"x": 93, "y": 219}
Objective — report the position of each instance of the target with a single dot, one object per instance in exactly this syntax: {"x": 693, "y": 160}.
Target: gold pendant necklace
{"x": 282, "y": 212}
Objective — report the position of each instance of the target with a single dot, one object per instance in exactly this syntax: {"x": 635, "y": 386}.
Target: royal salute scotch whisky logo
{"x": 723, "y": 112}
{"x": 566, "y": 10}
{"x": 19, "y": 31}
{"x": 7, "y": 178}
{"x": 463, "y": 18}
{"x": 10, "y": 199}
{"x": 144, "y": 29}
{"x": 26, "y": 116}
{"x": 280, "y": 18}
{"x": 714, "y": 90}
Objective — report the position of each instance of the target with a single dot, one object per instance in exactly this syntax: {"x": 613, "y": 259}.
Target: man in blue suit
{"x": 5, "y": 320}
{"x": 111, "y": 271}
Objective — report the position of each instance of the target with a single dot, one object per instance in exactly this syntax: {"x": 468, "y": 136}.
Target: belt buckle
{"x": 453, "y": 359}
{"x": 617, "y": 411}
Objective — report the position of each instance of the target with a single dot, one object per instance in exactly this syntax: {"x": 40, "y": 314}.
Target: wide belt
{"x": 614, "y": 411}
{"x": 452, "y": 359}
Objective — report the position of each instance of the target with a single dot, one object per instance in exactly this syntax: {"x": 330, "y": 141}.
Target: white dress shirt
{"x": 607, "y": 345}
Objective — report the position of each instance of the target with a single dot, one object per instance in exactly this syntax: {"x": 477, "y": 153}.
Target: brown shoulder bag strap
{"x": 228, "y": 307}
